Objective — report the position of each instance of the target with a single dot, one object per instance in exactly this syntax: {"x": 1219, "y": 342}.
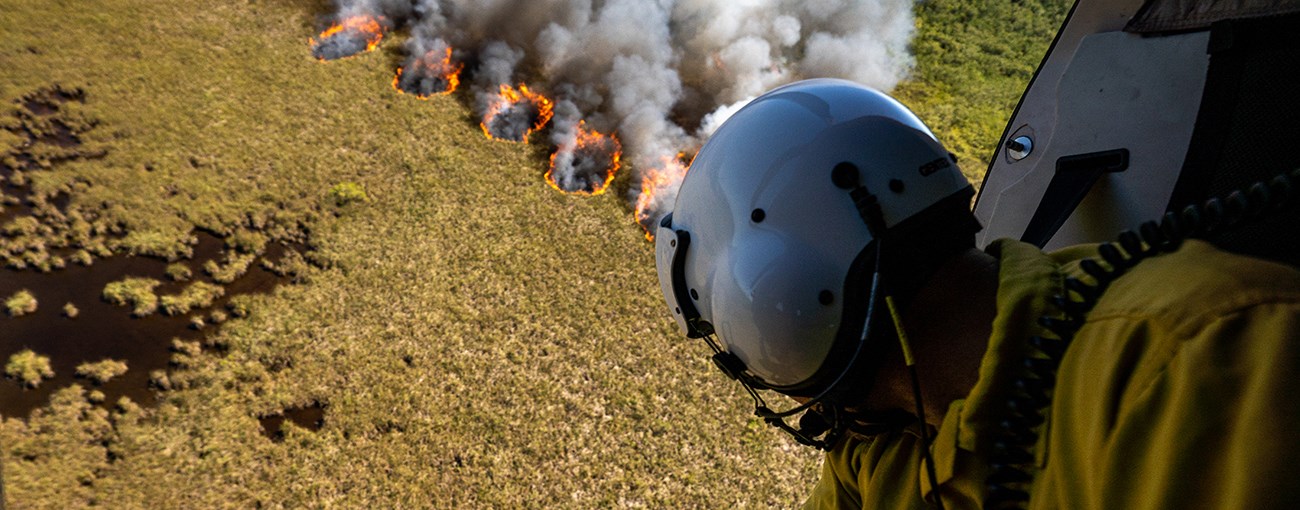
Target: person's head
{"x": 769, "y": 245}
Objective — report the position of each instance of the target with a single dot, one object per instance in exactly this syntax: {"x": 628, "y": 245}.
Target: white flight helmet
{"x": 760, "y": 246}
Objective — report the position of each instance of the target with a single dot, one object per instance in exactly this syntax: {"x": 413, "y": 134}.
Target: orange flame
{"x": 590, "y": 141}
{"x": 508, "y": 98}
{"x": 364, "y": 24}
{"x": 444, "y": 68}
{"x": 654, "y": 182}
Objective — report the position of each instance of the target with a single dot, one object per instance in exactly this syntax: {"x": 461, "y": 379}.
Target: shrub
{"x": 218, "y": 317}
{"x": 127, "y": 406}
{"x": 179, "y": 272}
{"x": 239, "y": 306}
{"x": 247, "y": 241}
{"x": 83, "y": 257}
{"x": 21, "y": 303}
{"x": 158, "y": 379}
{"x": 29, "y": 368}
{"x": 70, "y": 310}
{"x": 101, "y": 371}
{"x": 136, "y": 292}
{"x": 158, "y": 244}
{"x": 345, "y": 193}
{"x": 188, "y": 348}
{"x": 185, "y": 351}
{"x": 25, "y": 225}
{"x": 292, "y": 265}
{"x": 197, "y": 295}
{"x": 235, "y": 266}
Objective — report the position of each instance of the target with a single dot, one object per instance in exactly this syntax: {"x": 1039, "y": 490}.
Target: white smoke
{"x": 714, "y": 120}
{"x": 397, "y": 11}
{"x": 357, "y": 35}
{"x": 583, "y": 159}
{"x": 424, "y": 73}
{"x": 660, "y": 74}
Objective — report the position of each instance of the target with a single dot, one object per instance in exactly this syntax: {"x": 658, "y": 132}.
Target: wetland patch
{"x": 78, "y": 310}
{"x": 99, "y": 330}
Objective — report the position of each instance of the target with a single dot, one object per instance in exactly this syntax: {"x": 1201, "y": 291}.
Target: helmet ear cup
{"x": 772, "y": 292}
{"x": 852, "y": 305}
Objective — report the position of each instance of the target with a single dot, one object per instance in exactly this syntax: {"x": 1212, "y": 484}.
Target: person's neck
{"x": 948, "y": 324}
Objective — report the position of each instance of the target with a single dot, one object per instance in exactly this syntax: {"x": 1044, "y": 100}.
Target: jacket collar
{"x": 1027, "y": 279}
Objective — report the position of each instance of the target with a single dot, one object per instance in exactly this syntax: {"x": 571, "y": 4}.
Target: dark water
{"x": 102, "y": 330}
{"x": 311, "y": 417}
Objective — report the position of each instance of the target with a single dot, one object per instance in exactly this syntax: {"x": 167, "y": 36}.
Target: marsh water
{"x": 103, "y": 330}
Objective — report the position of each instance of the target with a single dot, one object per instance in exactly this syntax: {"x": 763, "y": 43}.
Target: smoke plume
{"x": 660, "y": 75}
{"x": 585, "y": 159}
{"x": 429, "y": 69}
{"x": 359, "y": 26}
{"x": 399, "y": 11}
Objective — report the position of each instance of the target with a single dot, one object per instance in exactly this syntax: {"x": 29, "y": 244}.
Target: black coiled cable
{"x": 1012, "y": 454}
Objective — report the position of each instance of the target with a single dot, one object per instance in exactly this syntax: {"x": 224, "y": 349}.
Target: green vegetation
{"x": 70, "y": 311}
{"x": 239, "y": 306}
{"x": 292, "y": 265}
{"x": 134, "y": 292}
{"x": 247, "y": 241}
{"x": 185, "y": 353}
{"x": 345, "y": 193}
{"x": 159, "y": 379}
{"x": 179, "y": 272}
{"x": 196, "y": 295}
{"x": 973, "y": 61}
{"x": 479, "y": 340}
{"x": 235, "y": 265}
{"x": 22, "y": 302}
{"x": 218, "y": 317}
{"x": 26, "y": 225}
{"x": 29, "y": 368}
{"x": 83, "y": 257}
{"x": 101, "y": 371}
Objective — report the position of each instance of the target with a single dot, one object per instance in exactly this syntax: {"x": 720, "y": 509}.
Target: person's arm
{"x": 872, "y": 473}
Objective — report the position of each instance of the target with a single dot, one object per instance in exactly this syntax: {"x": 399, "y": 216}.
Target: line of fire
{"x": 427, "y": 75}
{"x": 585, "y": 161}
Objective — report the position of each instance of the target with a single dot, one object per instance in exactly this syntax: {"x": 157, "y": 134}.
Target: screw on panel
{"x": 1020, "y": 147}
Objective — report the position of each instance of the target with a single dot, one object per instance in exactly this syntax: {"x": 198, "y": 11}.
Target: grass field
{"x": 476, "y": 339}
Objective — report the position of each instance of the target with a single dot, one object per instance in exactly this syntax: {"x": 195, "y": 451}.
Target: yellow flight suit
{"x": 1182, "y": 390}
